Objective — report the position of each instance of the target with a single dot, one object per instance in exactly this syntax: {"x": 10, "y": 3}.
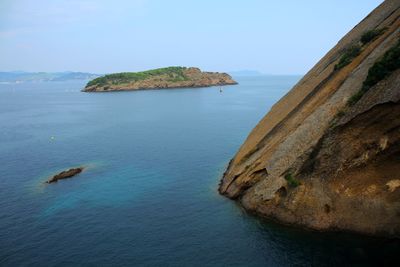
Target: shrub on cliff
{"x": 382, "y": 68}
{"x": 349, "y": 54}
{"x": 371, "y": 35}
{"x": 291, "y": 180}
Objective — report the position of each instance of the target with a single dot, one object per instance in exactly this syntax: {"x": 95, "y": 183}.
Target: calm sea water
{"x": 149, "y": 194}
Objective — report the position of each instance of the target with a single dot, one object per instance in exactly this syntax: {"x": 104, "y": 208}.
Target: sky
{"x": 104, "y": 36}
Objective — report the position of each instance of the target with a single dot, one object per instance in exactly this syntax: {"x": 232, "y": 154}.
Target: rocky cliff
{"x": 327, "y": 155}
{"x": 170, "y": 77}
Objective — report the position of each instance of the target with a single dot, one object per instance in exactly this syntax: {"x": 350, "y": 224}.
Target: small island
{"x": 163, "y": 78}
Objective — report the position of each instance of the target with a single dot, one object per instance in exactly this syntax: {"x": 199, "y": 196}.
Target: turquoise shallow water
{"x": 149, "y": 194}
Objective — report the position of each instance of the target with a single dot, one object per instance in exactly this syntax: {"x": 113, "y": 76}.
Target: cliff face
{"x": 171, "y": 77}
{"x": 327, "y": 155}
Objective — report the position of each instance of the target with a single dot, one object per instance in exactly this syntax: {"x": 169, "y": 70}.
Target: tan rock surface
{"x": 343, "y": 168}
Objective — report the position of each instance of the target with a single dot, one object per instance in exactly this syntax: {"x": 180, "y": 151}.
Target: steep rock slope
{"x": 327, "y": 155}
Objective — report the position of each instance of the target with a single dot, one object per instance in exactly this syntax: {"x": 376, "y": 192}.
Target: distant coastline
{"x": 22, "y": 76}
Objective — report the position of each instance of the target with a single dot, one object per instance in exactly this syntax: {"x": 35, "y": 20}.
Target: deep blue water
{"x": 149, "y": 194}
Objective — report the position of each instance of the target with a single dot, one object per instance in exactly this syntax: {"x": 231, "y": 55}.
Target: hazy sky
{"x": 277, "y": 37}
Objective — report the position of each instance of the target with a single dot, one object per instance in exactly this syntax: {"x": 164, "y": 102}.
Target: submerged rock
{"x": 65, "y": 174}
{"x": 327, "y": 155}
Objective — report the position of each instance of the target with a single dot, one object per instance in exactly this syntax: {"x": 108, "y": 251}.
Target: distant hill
{"x": 21, "y": 76}
{"x": 246, "y": 73}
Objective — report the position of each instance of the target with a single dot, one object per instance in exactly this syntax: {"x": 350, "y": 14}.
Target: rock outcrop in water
{"x": 65, "y": 174}
{"x": 171, "y": 77}
{"x": 327, "y": 155}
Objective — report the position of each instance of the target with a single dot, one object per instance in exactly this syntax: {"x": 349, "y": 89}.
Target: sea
{"x": 148, "y": 195}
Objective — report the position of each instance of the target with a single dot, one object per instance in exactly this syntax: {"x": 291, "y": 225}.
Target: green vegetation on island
{"x": 174, "y": 73}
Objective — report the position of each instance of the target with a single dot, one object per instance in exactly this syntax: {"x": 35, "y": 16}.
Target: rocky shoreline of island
{"x": 164, "y": 78}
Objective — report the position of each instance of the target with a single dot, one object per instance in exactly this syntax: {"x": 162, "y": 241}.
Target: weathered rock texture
{"x": 316, "y": 161}
{"x": 180, "y": 77}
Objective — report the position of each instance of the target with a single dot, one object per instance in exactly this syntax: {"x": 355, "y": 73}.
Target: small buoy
{"x": 52, "y": 138}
